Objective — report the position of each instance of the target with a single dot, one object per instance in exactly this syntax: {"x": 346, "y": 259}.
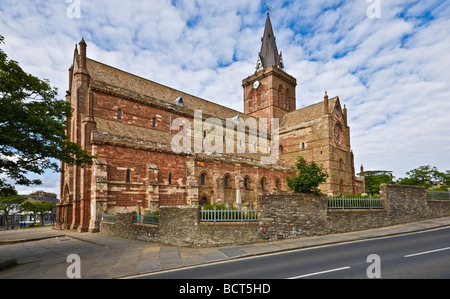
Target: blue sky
{"x": 391, "y": 72}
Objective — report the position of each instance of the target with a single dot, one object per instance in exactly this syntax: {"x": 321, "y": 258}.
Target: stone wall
{"x": 180, "y": 226}
{"x": 291, "y": 215}
{"x": 281, "y": 216}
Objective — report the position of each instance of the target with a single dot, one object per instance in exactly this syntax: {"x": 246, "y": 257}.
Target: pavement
{"x": 42, "y": 253}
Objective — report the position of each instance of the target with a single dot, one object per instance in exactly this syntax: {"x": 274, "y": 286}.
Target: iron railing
{"x": 354, "y": 203}
{"x": 228, "y": 215}
{"x": 146, "y": 219}
{"x": 438, "y": 195}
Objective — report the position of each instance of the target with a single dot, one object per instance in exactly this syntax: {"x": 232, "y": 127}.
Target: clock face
{"x": 338, "y": 134}
{"x": 256, "y": 84}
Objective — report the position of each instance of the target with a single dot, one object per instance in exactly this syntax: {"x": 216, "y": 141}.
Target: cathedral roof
{"x": 306, "y": 114}
{"x": 150, "y": 91}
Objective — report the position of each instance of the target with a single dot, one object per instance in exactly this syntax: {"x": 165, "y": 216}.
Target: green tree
{"x": 375, "y": 178}
{"x": 38, "y": 208}
{"x": 426, "y": 176}
{"x": 32, "y": 126}
{"x": 10, "y": 202}
{"x": 308, "y": 177}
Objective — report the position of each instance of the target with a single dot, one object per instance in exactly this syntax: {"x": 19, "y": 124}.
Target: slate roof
{"x": 306, "y": 114}
{"x": 125, "y": 82}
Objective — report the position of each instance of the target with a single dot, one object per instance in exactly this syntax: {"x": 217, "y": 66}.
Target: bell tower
{"x": 270, "y": 92}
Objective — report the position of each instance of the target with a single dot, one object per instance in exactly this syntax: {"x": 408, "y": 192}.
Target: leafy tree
{"x": 375, "y": 178}
{"x": 32, "y": 126}
{"x": 38, "y": 208}
{"x": 425, "y": 176}
{"x": 10, "y": 202}
{"x": 308, "y": 178}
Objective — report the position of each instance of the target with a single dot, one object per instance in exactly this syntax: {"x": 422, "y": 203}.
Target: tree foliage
{"x": 308, "y": 177}
{"x": 426, "y": 176}
{"x": 10, "y": 202}
{"x": 32, "y": 126}
{"x": 374, "y": 178}
{"x": 38, "y": 208}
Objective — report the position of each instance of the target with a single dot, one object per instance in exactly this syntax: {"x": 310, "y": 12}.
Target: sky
{"x": 388, "y": 61}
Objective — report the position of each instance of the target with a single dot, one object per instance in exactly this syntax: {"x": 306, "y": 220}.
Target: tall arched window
{"x": 119, "y": 114}
{"x": 203, "y": 179}
{"x": 246, "y": 183}
{"x": 226, "y": 181}
{"x": 263, "y": 184}
{"x": 170, "y": 178}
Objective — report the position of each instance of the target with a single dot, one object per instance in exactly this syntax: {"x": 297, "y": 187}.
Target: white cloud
{"x": 392, "y": 73}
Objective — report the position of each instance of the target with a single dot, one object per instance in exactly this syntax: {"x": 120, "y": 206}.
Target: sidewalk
{"x": 42, "y": 252}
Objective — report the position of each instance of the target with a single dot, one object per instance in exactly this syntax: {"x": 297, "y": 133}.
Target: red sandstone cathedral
{"x": 128, "y": 122}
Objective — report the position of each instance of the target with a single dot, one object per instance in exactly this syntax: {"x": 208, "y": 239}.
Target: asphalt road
{"x": 422, "y": 255}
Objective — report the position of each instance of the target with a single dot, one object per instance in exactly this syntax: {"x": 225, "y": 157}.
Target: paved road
{"x": 43, "y": 253}
{"x": 423, "y": 255}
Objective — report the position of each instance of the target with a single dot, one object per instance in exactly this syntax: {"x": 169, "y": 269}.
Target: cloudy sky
{"x": 388, "y": 61}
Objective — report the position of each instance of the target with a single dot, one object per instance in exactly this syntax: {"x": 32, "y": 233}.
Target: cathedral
{"x": 157, "y": 146}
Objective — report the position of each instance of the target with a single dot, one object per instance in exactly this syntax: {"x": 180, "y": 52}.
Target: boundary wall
{"x": 281, "y": 216}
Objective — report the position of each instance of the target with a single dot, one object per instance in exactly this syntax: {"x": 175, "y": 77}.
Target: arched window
{"x": 154, "y": 122}
{"x": 170, "y": 178}
{"x": 340, "y": 164}
{"x": 277, "y": 184}
{"x": 303, "y": 145}
{"x": 226, "y": 181}
{"x": 119, "y": 114}
{"x": 263, "y": 184}
{"x": 203, "y": 179}
{"x": 246, "y": 183}
{"x": 281, "y": 149}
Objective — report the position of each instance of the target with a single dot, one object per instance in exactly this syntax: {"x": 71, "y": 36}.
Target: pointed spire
{"x": 269, "y": 52}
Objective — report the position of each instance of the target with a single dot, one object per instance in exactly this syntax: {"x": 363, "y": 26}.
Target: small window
{"x": 128, "y": 179}
{"x": 227, "y": 181}
{"x": 203, "y": 179}
{"x": 170, "y": 178}
{"x": 154, "y": 122}
{"x": 263, "y": 181}
{"x": 281, "y": 149}
{"x": 246, "y": 183}
{"x": 277, "y": 184}
{"x": 303, "y": 145}
{"x": 204, "y": 134}
{"x": 340, "y": 164}
{"x": 119, "y": 114}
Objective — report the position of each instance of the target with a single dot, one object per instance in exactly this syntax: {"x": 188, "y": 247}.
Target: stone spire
{"x": 269, "y": 52}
